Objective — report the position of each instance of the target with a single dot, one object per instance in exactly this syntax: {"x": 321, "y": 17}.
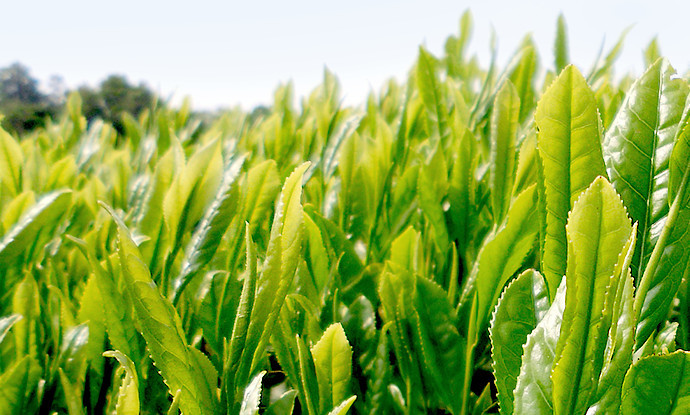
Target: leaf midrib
{"x": 585, "y": 338}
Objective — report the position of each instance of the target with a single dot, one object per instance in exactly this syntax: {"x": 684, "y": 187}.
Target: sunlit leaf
{"x": 658, "y": 384}
{"x": 569, "y": 143}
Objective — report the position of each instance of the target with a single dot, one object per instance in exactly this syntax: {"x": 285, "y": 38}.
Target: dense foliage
{"x": 470, "y": 241}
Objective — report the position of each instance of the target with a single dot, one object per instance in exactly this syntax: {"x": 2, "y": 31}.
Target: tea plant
{"x": 473, "y": 240}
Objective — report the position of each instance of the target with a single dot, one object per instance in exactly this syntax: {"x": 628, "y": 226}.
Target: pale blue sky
{"x": 237, "y": 52}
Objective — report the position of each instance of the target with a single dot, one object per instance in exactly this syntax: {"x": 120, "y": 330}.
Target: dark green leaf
{"x": 637, "y": 148}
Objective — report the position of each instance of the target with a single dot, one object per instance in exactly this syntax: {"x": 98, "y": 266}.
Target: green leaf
{"x": 344, "y": 406}
{"x": 128, "y": 395}
{"x": 638, "y": 155}
{"x": 72, "y": 394}
{"x": 6, "y": 324}
{"x": 191, "y": 190}
{"x": 162, "y": 329}
{"x": 11, "y": 162}
{"x": 560, "y": 47}
{"x": 345, "y": 129}
{"x": 637, "y": 148}
{"x": 619, "y": 319}
{"x": 349, "y": 264}
{"x": 504, "y": 125}
{"x": 664, "y": 272}
{"x": 502, "y": 256}
{"x": 406, "y": 251}
{"x": 332, "y": 356}
{"x": 91, "y": 313}
{"x": 25, "y": 302}
{"x": 522, "y": 305}
{"x": 284, "y": 405}
{"x": 287, "y": 230}
{"x": 569, "y": 143}
{"x": 15, "y": 209}
{"x": 438, "y": 344}
{"x": 209, "y": 233}
{"x": 598, "y": 229}
{"x": 665, "y": 269}
{"x": 534, "y": 388}
{"x": 252, "y": 396}
{"x": 119, "y": 322}
{"x": 396, "y": 290}
{"x": 238, "y": 338}
{"x": 430, "y": 88}
{"x": 658, "y": 385}
{"x": 316, "y": 255}
{"x": 276, "y": 277}
{"x": 309, "y": 390}
{"x": 680, "y": 156}
{"x": 523, "y": 76}
{"x": 460, "y": 187}
{"x": 14, "y": 385}
{"x": 263, "y": 184}
{"x": 603, "y": 66}
{"x": 651, "y": 53}
{"x": 431, "y": 190}
{"x": 42, "y": 215}
{"x": 152, "y": 222}
{"x": 379, "y": 376}
{"x": 527, "y": 173}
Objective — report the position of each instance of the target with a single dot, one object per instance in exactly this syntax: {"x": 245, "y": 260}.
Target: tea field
{"x": 474, "y": 239}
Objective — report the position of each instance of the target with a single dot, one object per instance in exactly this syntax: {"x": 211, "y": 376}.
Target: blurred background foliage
{"x": 26, "y": 106}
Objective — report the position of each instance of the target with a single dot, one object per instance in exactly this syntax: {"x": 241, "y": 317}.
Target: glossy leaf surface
{"x": 569, "y": 144}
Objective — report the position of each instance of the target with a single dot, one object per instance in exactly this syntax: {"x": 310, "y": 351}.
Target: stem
{"x": 469, "y": 368}
{"x": 650, "y": 269}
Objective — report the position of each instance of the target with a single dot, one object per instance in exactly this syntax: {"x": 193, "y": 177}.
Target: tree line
{"x": 25, "y": 107}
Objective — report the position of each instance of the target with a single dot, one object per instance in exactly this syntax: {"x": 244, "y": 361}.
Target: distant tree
{"x": 16, "y": 84}
{"x": 24, "y": 107}
{"x": 114, "y": 97}
{"x": 92, "y": 105}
